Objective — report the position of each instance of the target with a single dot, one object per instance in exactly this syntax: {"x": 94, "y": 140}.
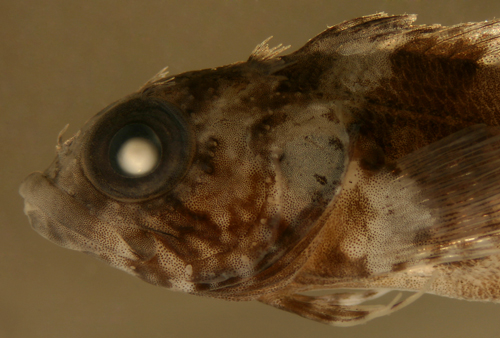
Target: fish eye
{"x": 137, "y": 149}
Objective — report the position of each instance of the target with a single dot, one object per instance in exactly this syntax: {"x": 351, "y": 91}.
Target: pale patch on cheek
{"x": 242, "y": 264}
{"x": 175, "y": 269}
{"x": 222, "y": 219}
{"x": 189, "y": 270}
{"x": 182, "y": 285}
{"x": 204, "y": 247}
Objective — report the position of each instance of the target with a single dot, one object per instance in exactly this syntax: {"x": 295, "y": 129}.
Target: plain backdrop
{"x": 61, "y": 62}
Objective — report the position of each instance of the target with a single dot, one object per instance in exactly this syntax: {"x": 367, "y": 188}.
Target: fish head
{"x": 241, "y": 169}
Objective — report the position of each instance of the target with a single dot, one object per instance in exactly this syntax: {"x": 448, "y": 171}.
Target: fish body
{"x": 368, "y": 160}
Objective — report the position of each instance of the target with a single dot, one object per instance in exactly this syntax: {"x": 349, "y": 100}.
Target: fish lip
{"x": 25, "y": 190}
{"x": 32, "y": 189}
{"x": 41, "y": 200}
{"x": 30, "y": 186}
{"x": 44, "y": 199}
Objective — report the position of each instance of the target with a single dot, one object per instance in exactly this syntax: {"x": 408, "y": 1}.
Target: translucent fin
{"x": 262, "y": 51}
{"x": 371, "y": 33}
{"x": 161, "y": 78}
{"x": 332, "y": 309}
{"x": 439, "y": 204}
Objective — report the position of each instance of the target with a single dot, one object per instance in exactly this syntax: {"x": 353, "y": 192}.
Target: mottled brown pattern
{"x": 350, "y": 216}
{"x": 435, "y": 93}
{"x": 369, "y": 158}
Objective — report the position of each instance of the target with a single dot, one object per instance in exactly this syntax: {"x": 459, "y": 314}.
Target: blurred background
{"x": 61, "y": 62}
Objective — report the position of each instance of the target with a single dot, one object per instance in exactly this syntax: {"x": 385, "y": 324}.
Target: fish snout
{"x": 33, "y": 191}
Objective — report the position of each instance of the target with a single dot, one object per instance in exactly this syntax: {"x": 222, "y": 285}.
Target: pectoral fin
{"x": 449, "y": 201}
{"x": 438, "y": 205}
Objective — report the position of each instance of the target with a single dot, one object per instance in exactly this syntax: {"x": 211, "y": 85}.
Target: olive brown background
{"x": 61, "y": 62}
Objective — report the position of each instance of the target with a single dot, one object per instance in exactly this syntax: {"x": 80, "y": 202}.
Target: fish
{"x": 365, "y": 162}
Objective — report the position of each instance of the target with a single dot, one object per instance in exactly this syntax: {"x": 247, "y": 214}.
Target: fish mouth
{"x": 67, "y": 222}
{"x": 47, "y": 209}
{"x": 62, "y": 219}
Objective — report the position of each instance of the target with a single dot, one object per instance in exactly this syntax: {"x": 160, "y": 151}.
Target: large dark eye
{"x": 138, "y": 149}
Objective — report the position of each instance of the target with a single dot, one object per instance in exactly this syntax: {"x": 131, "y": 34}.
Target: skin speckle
{"x": 367, "y": 159}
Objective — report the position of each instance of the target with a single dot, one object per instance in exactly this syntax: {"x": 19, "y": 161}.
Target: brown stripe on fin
{"x": 442, "y": 80}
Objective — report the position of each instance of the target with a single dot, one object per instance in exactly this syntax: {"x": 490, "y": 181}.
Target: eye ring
{"x": 168, "y": 131}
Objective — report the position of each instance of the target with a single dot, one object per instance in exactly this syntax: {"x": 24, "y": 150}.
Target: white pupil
{"x": 137, "y": 156}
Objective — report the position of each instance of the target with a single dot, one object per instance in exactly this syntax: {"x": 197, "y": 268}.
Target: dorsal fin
{"x": 262, "y": 52}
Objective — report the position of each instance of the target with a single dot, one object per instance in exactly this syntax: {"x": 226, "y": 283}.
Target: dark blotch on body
{"x": 320, "y": 179}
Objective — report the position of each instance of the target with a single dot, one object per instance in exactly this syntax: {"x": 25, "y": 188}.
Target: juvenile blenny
{"x": 368, "y": 161}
